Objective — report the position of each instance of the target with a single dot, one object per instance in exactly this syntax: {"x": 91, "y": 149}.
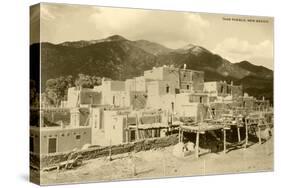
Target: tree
{"x": 84, "y": 81}
{"x": 56, "y": 89}
{"x": 96, "y": 80}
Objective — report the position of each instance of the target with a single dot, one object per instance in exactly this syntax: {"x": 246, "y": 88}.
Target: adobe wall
{"x": 192, "y": 80}
{"x": 90, "y": 97}
{"x": 92, "y": 153}
{"x": 55, "y": 116}
{"x": 67, "y": 138}
{"x": 237, "y": 91}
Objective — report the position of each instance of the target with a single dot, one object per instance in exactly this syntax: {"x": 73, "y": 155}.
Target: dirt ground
{"x": 162, "y": 163}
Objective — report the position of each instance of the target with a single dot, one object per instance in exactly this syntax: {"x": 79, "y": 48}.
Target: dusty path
{"x": 161, "y": 163}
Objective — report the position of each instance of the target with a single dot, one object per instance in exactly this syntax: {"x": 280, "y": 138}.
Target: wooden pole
{"x": 197, "y": 145}
{"x": 137, "y": 127}
{"x": 238, "y": 133}
{"x": 179, "y": 135}
{"x": 246, "y": 128}
{"x": 224, "y": 141}
{"x": 127, "y": 130}
{"x": 259, "y": 134}
{"x": 110, "y": 152}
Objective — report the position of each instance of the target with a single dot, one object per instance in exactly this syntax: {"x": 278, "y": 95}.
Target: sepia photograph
{"x": 125, "y": 94}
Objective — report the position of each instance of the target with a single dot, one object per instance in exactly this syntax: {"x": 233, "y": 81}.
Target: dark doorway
{"x": 133, "y": 135}
{"x": 52, "y": 146}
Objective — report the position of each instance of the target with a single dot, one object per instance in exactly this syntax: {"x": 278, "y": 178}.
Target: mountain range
{"x": 119, "y": 58}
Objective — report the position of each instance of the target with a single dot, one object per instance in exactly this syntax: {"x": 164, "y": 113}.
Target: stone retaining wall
{"x": 92, "y": 153}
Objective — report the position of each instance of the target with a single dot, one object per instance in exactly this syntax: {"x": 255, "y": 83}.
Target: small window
{"x": 113, "y": 100}
{"x": 167, "y": 89}
{"x": 78, "y": 137}
{"x": 201, "y": 99}
{"x": 187, "y": 87}
{"x": 62, "y": 134}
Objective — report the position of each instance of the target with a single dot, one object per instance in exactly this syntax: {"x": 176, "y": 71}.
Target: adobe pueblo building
{"x": 149, "y": 106}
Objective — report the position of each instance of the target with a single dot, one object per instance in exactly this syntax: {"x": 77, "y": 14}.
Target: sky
{"x": 234, "y": 37}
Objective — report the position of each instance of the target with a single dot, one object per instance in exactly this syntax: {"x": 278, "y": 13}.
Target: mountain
{"x": 199, "y": 58}
{"x": 119, "y": 58}
{"x": 152, "y": 47}
{"x": 257, "y": 86}
{"x": 84, "y": 43}
{"x": 116, "y": 59}
{"x": 255, "y": 70}
{"x": 193, "y": 49}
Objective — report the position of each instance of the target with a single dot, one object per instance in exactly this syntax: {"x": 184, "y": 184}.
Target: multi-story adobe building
{"x": 124, "y": 111}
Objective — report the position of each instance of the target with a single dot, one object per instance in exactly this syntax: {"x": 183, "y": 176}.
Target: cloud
{"x": 237, "y": 50}
{"x": 61, "y": 22}
{"x": 169, "y": 28}
{"x": 46, "y": 13}
{"x": 110, "y": 21}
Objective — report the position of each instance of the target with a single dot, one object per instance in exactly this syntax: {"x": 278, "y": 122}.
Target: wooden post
{"x": 110, "y": 152}
{"x": 197, "y": 145}
{"x": 259, "y": 134}
{"x": 137, "y": 127}
{"x": 127, "y": 129}
{"x": 238, "y": 133}
{"x": 224, "y": 141}
{"x": 179, "y": 135}
{"x": 246, "y": 128}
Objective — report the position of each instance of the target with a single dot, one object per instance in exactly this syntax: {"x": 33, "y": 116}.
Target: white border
{"x": 15, "y": 79}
